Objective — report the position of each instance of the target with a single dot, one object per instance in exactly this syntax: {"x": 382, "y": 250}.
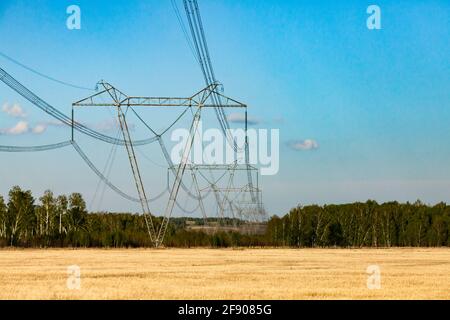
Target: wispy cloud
{"x": 304, "y": 145}
{"x": 23, "y": 127}
{"x": 109, "y": 125}
{"x": 15, "y": 110}
{"x": 39, "y": 129}
{"x": 52, "y": 123}
{"x": 20, "y": 128}
{"x": 240, "y": 118}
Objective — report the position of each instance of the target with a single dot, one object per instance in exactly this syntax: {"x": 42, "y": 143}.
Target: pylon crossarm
{"x": 110, "y": 94}
{"x": 115, "y": 97}
{"x": 219, "y": 167}
{"x": 227, "y": 101}
{"x": 90, "y": 101}
{"x": 157, "y": 102}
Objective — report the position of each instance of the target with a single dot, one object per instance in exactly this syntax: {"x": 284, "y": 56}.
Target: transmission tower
{"x": 229, "y": 197}
{"x": 112, "y": 97}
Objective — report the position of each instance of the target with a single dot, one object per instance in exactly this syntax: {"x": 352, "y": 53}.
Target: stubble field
{"x": 224, "y": 274}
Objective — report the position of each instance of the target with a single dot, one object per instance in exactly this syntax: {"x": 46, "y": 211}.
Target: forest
{"x": 63, "y": 221}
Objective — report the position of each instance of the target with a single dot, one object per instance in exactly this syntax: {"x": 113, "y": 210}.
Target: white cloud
{"x": 53, "y": 123}
{"x": 20, "y": 128}
{"x": 109, "y": 125}
{"x": 303, "y": 145}
{"x": 14, "y": 110}
{"x": 240, "y": 118}
{"x": 40, "y": 128}
{"x": 23, "y": 127}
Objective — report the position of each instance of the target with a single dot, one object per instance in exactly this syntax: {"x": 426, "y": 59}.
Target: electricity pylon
{"x": 116, "y": 98}
{"x": 231, "y": 195}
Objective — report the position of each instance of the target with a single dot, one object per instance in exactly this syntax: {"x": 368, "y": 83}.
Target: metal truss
{"x": 244, "y": 202}
{"x": 205, "y": 98}
{"x": 109, "y": 96}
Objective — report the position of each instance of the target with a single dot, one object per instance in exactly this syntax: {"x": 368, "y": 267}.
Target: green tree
{"x": 3, "y": 218}
{"x": 335, "y": 235}
{"x": 76, "y": 215}
{"x": 48, "y": 204}
{"x": 62, "y": 205}
{"x": 20, "y": 215}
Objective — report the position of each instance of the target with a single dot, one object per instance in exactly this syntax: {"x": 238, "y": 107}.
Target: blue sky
{"x": 377, "y": 102}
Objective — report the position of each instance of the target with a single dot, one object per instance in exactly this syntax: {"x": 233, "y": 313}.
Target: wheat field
{"x": 225, "y": 274}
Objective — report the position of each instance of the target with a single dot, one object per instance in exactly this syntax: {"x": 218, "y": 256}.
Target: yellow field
{"x": 225, "y": 274}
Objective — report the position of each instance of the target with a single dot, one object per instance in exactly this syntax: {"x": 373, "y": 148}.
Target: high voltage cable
{"x": 16, "y": 149}
{"x": 34, "y": 99}
{"x": 176, "y": 120}
{"x": 166, "y": 153}
{"x": 106, "y": 181}
{"x": 199, "y": 50}
{"x": 185, "y": 210}
{"x": 202, "y": 57}
{"x": 42, "y": 74}
{"x": 174, "y": 172}
{"x": 35, "y": 148}
{"x": 198, "y": 34}
{"x": 120, "y": 192}
{"x": 107, "y": 170}
{"x": 213, "y": 77}
{"x": 217, "y": 97}
{"x": 183, "y": 28}
{"x": 187, "y": 198}
{"x": 145, "y": 124}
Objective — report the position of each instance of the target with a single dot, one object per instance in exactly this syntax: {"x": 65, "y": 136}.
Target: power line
{"x": 35, "y": 148}
{"x": 42, "y": 74}
{"x": 200, "y": 50}
{"x": 198, "y": 34}
{"x": 16, "y": 149}
{"x": 183, "y": 28}
{"x": 41, "y": 104}
{"x": 107, "y": 170}
{"x": 106, "y": 181}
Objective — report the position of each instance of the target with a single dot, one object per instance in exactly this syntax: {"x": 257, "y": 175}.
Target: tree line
{"x": 366, "y": 224}
{"x": 63, "y": 221}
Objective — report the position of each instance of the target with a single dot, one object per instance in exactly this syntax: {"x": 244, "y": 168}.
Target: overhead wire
{"x": 106, "y": 181}
{"x": 35, "y": 148}
{"x": 67, "y": 84}
{"x": 198, "y": 35}
{"x": 183, "y": 28}
{"x": 34, "y": 99}
{"x": 106, "y": 170}
{"x": 203, "y": 58}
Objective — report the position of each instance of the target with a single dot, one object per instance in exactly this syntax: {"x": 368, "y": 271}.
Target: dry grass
{"x": 225, "y": 274}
